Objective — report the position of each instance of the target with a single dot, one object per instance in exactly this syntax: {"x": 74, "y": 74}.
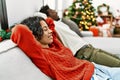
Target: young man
{"x": 79, "y": 47}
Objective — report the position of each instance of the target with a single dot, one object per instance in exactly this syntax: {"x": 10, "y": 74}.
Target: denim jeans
{"x": 106, "y": 73}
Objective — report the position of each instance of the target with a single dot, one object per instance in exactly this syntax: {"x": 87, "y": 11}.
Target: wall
{"x": 17, "y": 10}
{"x": 114, "y": 5}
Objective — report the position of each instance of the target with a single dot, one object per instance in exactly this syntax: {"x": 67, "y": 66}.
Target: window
{"x": 3, "y": 15}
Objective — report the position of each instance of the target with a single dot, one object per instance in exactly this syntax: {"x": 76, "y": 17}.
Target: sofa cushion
{"x": 15, "y": 65}
{"x": 111, "y": 44}
{"x": 72, "y": 25}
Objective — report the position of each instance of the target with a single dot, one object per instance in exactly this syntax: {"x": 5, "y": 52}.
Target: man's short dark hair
{"x": 44, "y": 9}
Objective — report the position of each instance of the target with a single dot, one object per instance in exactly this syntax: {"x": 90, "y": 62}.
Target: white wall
{"x": 17, "y": 10}
{"x": 50, "y": 3}
{"x": 66, "y": 3}
{"x": 114, "y": 5}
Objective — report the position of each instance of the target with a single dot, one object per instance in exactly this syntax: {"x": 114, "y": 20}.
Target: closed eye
{"x": 45, "y": 28}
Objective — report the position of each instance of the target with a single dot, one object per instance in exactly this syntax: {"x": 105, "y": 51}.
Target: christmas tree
{"x": 82, "y": 13}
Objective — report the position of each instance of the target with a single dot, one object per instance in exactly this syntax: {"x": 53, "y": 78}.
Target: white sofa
{"x": 15, "y": 65}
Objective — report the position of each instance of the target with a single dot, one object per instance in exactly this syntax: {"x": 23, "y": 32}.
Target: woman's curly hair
{"x": 34, "y": 25}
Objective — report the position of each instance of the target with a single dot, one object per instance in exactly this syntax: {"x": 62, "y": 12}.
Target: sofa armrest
{"x": 15, "y": 65}
{"x": 87, "y": 33}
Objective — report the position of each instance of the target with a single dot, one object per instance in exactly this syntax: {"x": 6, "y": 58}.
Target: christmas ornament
{"x": 5, "y": 34}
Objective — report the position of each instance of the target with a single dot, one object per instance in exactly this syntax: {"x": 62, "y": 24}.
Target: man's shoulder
{"x": 60, "y": 23}
{"x": 72, "y": 25}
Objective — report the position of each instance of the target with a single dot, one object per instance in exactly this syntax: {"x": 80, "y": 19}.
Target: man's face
{"x": 53, "y": 14}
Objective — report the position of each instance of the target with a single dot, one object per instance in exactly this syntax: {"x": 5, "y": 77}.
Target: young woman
{"x": 40, "y": 44}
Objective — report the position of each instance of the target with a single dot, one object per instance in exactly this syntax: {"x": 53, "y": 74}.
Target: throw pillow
{"x": 40, "y": 14}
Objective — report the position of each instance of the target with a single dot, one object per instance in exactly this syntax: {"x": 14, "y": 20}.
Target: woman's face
{"x": 47, "y": 37}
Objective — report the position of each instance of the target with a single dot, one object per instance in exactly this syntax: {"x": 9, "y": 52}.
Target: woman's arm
{"x": 23, "y": 37}
{"x": 51, "y": 25}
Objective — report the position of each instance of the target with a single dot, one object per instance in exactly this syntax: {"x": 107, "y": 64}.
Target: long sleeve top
{"x": 69, "y": 38}
{"x": 57, "y": 61}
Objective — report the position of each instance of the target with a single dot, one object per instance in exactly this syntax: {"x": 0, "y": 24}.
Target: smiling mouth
{"x": 50, "y": 37}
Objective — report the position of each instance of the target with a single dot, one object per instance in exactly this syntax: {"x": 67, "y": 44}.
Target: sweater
{"x": 57, "y": 61}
